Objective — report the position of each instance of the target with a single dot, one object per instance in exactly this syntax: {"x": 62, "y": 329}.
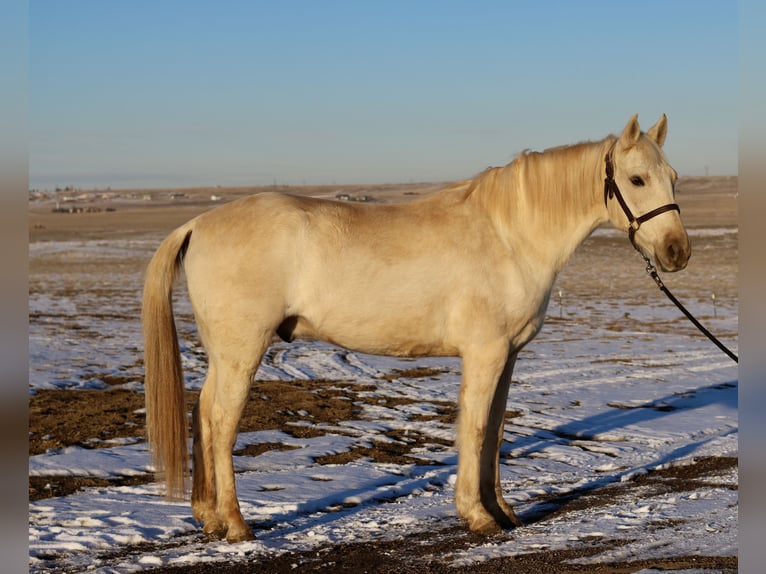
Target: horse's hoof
{"x": 214, "y": 530}
{"x": 485, "y": 528}
{"x": 243, "y": 536}
{"x": 508, "y": 520}
{"x": 507, "y": 523}
{"x": 205, "y": 517}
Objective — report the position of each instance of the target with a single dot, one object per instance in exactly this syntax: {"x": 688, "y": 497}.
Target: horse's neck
{"x": 545, "y": 204}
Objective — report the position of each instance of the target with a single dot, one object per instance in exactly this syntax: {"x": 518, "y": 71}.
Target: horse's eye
{"x": 637, "y": 181}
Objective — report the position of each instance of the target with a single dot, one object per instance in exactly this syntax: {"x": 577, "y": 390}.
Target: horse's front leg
{"x": 493, "y": 500}
{"x": 481, "y": 391}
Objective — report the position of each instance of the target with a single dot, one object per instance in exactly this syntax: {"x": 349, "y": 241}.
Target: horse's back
{"x": 324, "y": 229}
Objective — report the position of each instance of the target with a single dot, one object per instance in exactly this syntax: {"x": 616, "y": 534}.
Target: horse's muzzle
{"x": 674, "y": 254}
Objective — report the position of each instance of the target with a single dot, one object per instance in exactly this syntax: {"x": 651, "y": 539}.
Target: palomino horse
{"x": 465, "y": 272}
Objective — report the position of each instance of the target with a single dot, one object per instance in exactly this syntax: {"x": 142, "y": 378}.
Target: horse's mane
{"x": 551, "y": 187}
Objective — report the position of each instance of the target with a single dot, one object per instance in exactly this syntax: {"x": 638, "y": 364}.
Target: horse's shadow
{"x": 620, "y": 417}
{"x": 327, "y": 510}
{"x": 581, "y": 430}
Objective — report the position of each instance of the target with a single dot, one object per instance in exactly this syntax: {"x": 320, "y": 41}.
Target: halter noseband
{"x": 611, "y": 190}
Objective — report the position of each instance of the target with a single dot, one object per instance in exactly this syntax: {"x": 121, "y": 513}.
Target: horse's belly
{"x": 380, "y": 335}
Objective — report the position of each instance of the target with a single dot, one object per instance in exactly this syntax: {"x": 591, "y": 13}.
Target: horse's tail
{"x": 166, "y": 419}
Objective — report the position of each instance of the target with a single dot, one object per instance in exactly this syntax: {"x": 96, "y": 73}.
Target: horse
{"x": 466, "y": 271}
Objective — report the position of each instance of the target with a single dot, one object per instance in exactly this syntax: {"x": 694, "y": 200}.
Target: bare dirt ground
{"x": 104, "y": 414}
{"x": 59, "y": 418}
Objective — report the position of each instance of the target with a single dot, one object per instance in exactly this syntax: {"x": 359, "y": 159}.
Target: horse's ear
{"x": 659, "y": 130}
{"x": 632, "y": 132}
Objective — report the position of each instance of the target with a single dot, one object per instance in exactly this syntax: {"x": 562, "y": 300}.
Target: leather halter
{"x": 611, "y": 190}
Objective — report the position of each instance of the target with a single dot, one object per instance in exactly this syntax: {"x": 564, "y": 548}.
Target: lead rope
{"x": 611, "y": 190}
{"x": 652, "y": 271}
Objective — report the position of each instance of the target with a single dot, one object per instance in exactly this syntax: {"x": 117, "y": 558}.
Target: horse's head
{"x": 640, "y": 198}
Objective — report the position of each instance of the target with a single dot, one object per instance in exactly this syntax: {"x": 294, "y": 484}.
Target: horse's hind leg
{"x": 231, "y": 392}
{"x": 215, "y": 424}
{"x": 203, "y": 471}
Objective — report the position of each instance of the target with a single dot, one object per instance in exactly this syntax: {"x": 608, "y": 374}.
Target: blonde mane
{"x": 554, "y": 187}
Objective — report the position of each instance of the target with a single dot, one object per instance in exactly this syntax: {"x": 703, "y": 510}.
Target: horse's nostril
{"x": 676, "y": 255}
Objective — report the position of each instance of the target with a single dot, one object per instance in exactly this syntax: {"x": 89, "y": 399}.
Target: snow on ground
{"x": 609, "y": 391}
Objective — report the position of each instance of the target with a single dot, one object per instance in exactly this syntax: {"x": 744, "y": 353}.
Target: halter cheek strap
{"x": 611, "y": 190}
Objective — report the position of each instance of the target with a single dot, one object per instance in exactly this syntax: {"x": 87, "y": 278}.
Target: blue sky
{"x": 160, "y": 94}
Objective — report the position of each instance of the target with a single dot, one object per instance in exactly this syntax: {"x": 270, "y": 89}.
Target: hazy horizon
{"x": 196, "y": 94}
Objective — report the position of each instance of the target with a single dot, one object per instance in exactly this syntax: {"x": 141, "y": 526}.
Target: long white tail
{"x": 166, "y": 419}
